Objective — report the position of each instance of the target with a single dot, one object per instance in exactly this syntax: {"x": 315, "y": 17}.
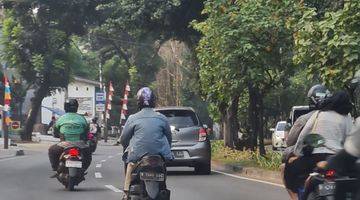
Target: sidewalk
{"x": 12, "y": 151}
{"x": 248, "y": 172}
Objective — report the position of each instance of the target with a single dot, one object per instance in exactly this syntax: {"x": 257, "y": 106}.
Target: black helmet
{"x": 145, "y": 98}
{"x": 71, "y": 106}
{"x": 94, "y": 120}
{"x": 317, "y": 94}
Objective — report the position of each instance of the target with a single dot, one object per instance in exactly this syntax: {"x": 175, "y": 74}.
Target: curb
{"x": 249, "y": 172}
{"x": 15, "y": 153}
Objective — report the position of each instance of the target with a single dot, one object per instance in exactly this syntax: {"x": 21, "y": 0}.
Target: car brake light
{"x": 330, "y": 173}
{"x": 74, "y": 152}
{"x": 202, "y": 135}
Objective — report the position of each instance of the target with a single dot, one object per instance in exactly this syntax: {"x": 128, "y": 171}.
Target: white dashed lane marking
{"x": 114, "y": 189}
{"x": 98, "y": 175}
{"x": 103, "y": 161}
{"x": 98, "y": 165}
{"x": 110, "y": 156}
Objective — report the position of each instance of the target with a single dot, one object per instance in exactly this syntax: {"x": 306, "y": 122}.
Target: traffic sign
{"x": 100, "y": 107}
{"x": 15, "y": 125}
{"x": 100, "y": 97}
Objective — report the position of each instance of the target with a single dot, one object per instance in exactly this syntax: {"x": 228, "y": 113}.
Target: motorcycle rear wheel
{"x": 71, "y": 184}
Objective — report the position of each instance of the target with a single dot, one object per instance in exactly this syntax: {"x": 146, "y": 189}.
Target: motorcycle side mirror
{"x": 314, "y": 140}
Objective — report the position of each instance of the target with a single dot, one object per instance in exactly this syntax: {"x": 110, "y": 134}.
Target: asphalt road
{"x": 27, "y": 178}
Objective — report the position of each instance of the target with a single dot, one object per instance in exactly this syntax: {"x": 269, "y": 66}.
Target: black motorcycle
{"x": 148, "y": 179}
{"x": 70, "y": 171}
{"x": 327, "y": 184}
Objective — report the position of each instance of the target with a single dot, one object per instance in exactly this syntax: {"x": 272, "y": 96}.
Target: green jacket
{"x": 72, "y": 127}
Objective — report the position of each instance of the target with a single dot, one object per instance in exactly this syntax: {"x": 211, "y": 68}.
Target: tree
{"x": 259, "y": 60}
{"x": 37, "y": 37}
{"x": 329, "y": 47}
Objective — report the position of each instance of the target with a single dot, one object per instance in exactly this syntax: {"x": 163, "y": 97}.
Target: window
{"x": 180, "y": 118}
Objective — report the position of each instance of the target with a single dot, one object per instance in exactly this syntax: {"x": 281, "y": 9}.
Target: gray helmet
{"x": 145, "y": 98}
{"x": 317, "y": 94}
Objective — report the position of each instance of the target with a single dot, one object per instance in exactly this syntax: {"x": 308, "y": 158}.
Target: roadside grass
{"x": 245, "y": 158}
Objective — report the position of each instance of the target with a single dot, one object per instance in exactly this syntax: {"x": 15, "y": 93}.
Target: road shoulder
{"x": 248, "y": 172}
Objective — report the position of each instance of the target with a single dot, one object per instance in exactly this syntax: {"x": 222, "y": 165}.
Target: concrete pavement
{"x": 27, "y": 178}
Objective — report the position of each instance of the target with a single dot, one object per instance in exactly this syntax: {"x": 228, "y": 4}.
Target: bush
{"x": 246, "y": 158}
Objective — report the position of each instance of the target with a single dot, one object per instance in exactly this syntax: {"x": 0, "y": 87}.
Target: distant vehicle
{"x": 190, "y": 142}
{"x": 278, "y": 136}
{"x": 297, "y": 111}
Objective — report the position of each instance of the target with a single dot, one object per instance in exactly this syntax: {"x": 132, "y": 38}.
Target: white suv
{"x": 278, "y": 136}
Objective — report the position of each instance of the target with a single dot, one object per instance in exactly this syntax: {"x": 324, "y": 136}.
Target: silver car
{"x": 190, "y": 143}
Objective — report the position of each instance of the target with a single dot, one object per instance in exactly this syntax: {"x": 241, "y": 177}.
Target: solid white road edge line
{"x": 111, "y": 187}
{"x": 98, "y": 165}
{"x": 98, "y": 175}
{"x": 248, "y": 179}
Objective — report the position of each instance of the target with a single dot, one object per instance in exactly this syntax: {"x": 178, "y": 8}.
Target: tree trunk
{"x": 253, "y": 119}
{"x": 261, "y": 124}
{"x": 222, "y": 109}
{"x": 231, "y": 123}
{"x": 40, "y": 94}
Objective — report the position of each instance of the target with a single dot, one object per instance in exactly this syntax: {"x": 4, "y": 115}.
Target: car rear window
{"x": 180, "y": 118}
{"x": 298, "y": 113}
{"x": 281, "y": 127}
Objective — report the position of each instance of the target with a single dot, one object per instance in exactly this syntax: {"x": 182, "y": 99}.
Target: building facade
{"x": 81, "y": 89}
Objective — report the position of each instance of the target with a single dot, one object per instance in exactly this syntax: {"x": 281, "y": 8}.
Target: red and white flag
{"x": 109, "y": 100}
{"x": 124, "y": 108}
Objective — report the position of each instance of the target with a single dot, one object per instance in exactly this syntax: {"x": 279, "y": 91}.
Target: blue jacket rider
{"x": 146, "y": 132}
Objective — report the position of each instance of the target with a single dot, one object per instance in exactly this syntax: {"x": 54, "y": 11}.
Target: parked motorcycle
{"x": 70, "y": 171}
{"x": 92, "y": 142}
{"x": 148, "y": 179}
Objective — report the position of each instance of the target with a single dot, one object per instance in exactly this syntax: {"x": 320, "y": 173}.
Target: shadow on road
{"x": 184, "y": 173}
{"x": 85, "y": 189}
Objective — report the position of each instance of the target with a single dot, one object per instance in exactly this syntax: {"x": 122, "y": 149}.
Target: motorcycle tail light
{"x": 330, "y": 173}
{"x": 202, "y": 135}
{"x": 74, "y": 152}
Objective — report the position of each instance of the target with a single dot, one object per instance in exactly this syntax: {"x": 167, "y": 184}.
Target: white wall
{"x": 57, "y": 100}
{"x": 84, "y": 93}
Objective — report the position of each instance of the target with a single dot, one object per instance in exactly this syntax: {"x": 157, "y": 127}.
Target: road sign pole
{"x": 5, "y": 132}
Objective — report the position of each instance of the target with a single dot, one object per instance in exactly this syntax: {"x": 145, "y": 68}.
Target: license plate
{"x": 178, "y": 154}
{"x": 327, "y": 189}
{"x": 75, "y": 164}
{"x": 152, "y": 176}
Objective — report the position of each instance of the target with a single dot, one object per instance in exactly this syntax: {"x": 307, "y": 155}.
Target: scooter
{"x": 70, "y": 171}
{"x": 148, "y": 179}
{"x": 327, "y": 184}
{"x": 92, "y": 142}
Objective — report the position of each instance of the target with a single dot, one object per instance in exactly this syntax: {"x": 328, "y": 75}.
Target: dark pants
{"x": 55, "y": 152}
{"x": 297, "y": 172}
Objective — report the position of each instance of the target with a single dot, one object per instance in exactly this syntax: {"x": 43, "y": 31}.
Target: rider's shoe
{"x": 126, "y": 195}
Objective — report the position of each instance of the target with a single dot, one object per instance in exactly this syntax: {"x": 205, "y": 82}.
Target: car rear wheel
{"x": 203, "y": 168}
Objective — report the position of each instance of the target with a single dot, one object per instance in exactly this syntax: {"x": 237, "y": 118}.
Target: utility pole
{"x": 5, "y": 130}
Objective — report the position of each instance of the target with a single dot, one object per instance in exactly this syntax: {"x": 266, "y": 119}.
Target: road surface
{"x": 27, "y": 178}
